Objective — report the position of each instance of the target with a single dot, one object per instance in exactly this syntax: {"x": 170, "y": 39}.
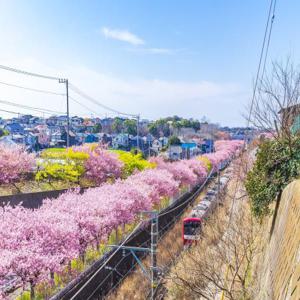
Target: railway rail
{"x": 109, "y": 271}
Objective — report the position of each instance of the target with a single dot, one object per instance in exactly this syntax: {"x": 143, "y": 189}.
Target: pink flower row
{"x": 36, "y": 243}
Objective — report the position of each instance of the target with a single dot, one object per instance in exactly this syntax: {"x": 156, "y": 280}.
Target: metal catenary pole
{"x": 154, "y": 239}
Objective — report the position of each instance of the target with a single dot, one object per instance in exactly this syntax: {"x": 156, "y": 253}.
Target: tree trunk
{"x": 32, "y": 292}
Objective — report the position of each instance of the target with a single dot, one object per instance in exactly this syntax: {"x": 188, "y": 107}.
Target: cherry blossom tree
{"x": 14, "y": 162}
{"x": 35, "y": 244}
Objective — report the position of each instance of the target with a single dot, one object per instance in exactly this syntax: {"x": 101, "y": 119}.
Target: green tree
{"x": 153, "y": 129}
{"x": 117, "y": 125}
{"x": 174, "y": 140}
{"x": 130, "y": 126}
{"x": 97, "y": 128}
{"x": 3, "y": 132}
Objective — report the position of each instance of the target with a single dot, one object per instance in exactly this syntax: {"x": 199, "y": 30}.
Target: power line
{"x": 42, "y": 110}
{"x": 10, "y": 112}
{"x": 93, "y": 100}
{"x": 269, "y": 38}
{"x": 108, "y": 259}
{"x": 262, "y": 54}
{"x": 32, "y": 89}
{"x": 83, "y": 105}
{"x": 28, "y": 73}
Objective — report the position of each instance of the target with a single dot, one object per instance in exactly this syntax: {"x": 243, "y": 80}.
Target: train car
{"x": 191, "y": 230}
{"x": 192, "y": 225}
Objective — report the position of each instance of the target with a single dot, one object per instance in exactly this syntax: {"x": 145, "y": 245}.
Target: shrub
{"x": 132, "y": 162}
{"x": 277, "y": 163}
{"x": 62, "y": 164}
{"x": 206, "y": 162}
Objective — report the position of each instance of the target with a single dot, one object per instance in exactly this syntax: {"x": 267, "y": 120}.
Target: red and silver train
{"x": 192, "y": 225}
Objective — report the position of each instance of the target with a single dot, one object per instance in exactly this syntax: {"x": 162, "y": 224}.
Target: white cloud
{"x": 122, "y": 35}
{"x": 153, "y": 98}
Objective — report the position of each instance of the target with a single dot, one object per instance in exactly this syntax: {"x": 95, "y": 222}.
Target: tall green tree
{"x": 117, "y": 125}
{"x": 130, "y": 126}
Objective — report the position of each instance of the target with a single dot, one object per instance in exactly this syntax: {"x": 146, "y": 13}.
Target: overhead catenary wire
{"x": 109, "y": 258}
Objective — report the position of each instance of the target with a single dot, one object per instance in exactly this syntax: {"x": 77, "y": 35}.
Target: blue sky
{"x": 156, "y": 58}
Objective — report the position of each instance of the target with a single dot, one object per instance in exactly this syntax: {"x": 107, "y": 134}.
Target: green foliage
{"x": 61, "y": 164}
{"x": 59, "y": 171}
{"x": 166, "y": 125}
{"x": 277, "y": 164}
{"x": 206, "y": 162}
{"x": 117, "y": 125}
{"x": 3, "y": 132}
{"x": 132, "y": 162}
{"x": 130, "y": 126}
{"x": 97, "y": 128}
{"x": 174, "y": 140}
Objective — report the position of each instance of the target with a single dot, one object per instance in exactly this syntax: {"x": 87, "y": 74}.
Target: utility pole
{"x": 137, "y": 132}
{"x": 66, "y": 81}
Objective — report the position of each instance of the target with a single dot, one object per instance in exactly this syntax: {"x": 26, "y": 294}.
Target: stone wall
{"x": 278, "y": 268}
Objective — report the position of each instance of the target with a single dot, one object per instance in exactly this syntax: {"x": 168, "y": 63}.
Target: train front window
{"x": 192, "y": 228}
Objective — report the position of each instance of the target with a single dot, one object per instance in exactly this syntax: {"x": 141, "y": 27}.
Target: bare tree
{"x": 220, "y": 263}
{"x": 277, "y": 101}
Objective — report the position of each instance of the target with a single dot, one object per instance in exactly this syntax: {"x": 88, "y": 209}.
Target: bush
{"x": 277, "y": 164}
{"x": 206, "y": 162}
{"x": 132, "y": 162}
{"x": 62, "y": 164}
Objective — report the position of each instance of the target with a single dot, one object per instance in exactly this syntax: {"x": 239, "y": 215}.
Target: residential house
{"x": 207, "y": 146}
{"x": 91, "y": 138}
{"x": 290, "y": 118}
{"x": 14, "y": 128}
{"x": 105, "y": 139}
{"x": 31, "y": 140}
{"x": 18, "y": 138}
{"x": 159, "y": 144}
{"x": 174, "y": 152}
{"x": 121, "y": 141}
{"x": 189, "y": 149}
{"x": 72, "y": 137}
{"x": 7, "y": 140}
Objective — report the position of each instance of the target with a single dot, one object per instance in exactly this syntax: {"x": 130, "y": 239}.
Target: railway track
{"x": 109, "y": 271}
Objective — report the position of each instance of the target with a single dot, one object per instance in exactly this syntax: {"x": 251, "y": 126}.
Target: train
{"x": 192, "y": 225}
